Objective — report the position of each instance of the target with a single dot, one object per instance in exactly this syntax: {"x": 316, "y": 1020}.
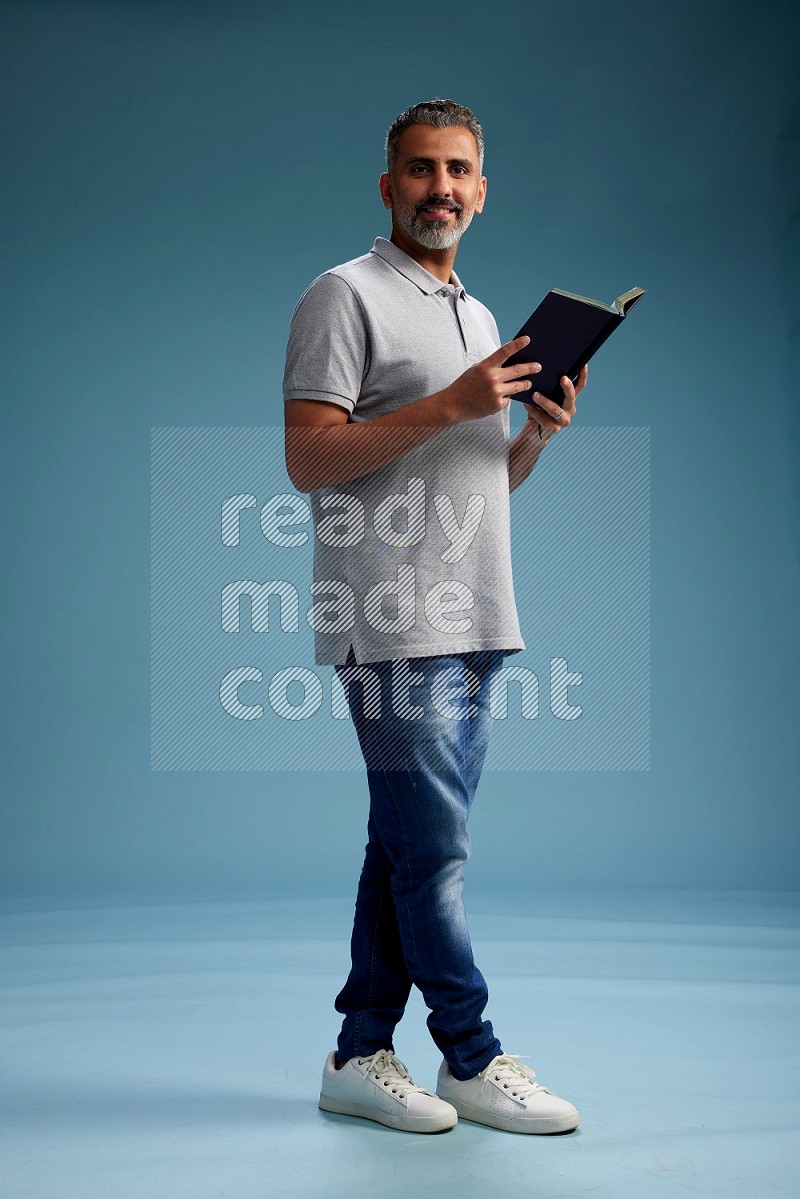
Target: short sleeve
{"x": 328, "y": 350}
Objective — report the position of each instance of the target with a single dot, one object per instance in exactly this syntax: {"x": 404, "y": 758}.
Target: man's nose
{"x": 440, "y": 186}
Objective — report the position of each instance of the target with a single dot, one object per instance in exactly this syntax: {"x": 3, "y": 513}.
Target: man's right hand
{"x": 488, "y": 386}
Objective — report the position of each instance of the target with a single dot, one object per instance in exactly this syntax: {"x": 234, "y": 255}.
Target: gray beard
{"x": 429, "y": 235}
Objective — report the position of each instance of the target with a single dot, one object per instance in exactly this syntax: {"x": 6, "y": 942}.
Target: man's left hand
{"x": 549, "y": 417}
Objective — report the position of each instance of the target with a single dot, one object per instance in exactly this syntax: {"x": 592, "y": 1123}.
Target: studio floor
{"x": 171, "y": 1050}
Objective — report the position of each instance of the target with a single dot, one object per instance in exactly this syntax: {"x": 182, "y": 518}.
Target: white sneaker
{"x": 380, "y": 1088}
{"x": 504, "y": 1095}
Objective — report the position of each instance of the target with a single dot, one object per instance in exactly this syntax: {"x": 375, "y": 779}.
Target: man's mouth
{"x": 438, "y": 211}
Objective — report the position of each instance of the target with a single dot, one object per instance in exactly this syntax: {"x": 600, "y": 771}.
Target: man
{"x": 396, "y": 404}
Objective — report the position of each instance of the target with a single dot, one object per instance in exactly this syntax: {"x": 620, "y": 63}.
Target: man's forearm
{"x": 523, "y": 453}
{"x": 324, "y": 456}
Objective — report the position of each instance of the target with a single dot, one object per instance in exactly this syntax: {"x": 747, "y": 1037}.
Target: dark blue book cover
{"x": 565, "y": 331}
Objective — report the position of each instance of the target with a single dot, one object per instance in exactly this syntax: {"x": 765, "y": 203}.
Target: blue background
{"x": 176, "y": 174}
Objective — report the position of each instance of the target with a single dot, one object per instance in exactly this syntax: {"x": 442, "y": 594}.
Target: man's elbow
{"x": 297, "y": 458}
{"x": 307, "y": 446}
{"x": 299, "y": 477}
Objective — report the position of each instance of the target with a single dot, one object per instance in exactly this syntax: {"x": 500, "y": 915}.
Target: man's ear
{"x": 385, "y": 188}
{"x": 481, "y": 194}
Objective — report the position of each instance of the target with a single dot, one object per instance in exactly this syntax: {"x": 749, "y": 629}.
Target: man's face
{"x": 435, "y": 187}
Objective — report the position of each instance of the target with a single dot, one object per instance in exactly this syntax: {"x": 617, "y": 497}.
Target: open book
{"x": 565, "y": 331}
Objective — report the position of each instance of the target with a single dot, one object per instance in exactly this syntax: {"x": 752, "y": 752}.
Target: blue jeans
{"x": 423, "y": 764}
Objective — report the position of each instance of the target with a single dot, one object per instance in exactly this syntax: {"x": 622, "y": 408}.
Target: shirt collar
{"x": 412, "y": 270}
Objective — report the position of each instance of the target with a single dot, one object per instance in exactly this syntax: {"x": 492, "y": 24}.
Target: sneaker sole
{"x": 346, "y": 1107}
{"x": 543, "y": 1126}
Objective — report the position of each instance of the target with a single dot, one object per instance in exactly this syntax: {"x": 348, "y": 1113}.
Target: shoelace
{"x": 516, "y": 1078}
{"x": 391, "y": 1072}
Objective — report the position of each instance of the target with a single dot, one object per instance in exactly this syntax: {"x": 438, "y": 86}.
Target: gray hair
{"x": 440, "y": 114}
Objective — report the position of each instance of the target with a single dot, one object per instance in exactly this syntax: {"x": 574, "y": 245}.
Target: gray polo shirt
{"x": 414, "y": 559}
